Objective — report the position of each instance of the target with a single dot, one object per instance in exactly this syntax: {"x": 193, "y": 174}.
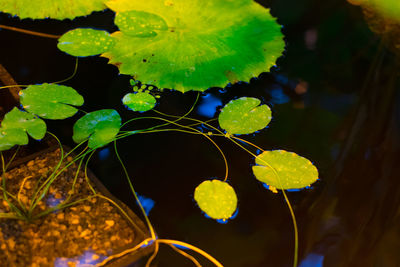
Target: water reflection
{"x": 88, "y": 258}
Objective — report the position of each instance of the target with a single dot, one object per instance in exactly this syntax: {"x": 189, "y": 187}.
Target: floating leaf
{"x": 207, "y": 44}
{"x": 139, "y": 101}
{"x": 12, "y": 137}
{"x": 27, "y": 122}
{"x": 284, "y": 170}
{"x": 55, "y": 9}
{"x": 100, "y": 127}
{"x": 15, "y": 126}
{"x": 244, "y": 116}
{"x": 139, "y": 23}
{"x": 50, "y": 101}
{"x": 83, "y": 42}
{"x": 216, "y": 198}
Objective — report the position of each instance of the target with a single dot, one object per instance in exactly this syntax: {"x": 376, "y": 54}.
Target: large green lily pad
{"x": 83, "y": 42}
{"x": 244, "y": 116}
{"x": 216, "y": 198}
{"x": 51, "y": 101}
{"x": 206, "y": 43}
{"x": 100, "y": 127}
{"x": 55, "y": 9}
{"x": 15, "y": 127}
{"x": 284, "y": 170}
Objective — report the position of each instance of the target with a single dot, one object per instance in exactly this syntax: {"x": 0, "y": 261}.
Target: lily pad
{"x": 55, "y": 9}
{"x": 284, "y": 170}
{"x": 139, "y": 101}
{"x": 216, "y": 198}
{"x": 51, "y": 101}
{"x": 83, "y": 42}
{"x": 15, "y": 126}
{"x": 24, "y": 121}
{"x": 12, "y": 137}
{"x": 207, "y": 44}
{"x": 244, "y": 116}
{"x": 100, "y": 127}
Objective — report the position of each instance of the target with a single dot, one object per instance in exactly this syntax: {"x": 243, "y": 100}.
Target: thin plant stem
{"x": 187, "y": 255}
{"x": 45, "y": 35}
{"x": 153, "y": 256}
{"x": 150, "y": 226}
{"x": 191, "y": 247}
{"x": 125, "y": 252}
{"x": 192, "y": 129}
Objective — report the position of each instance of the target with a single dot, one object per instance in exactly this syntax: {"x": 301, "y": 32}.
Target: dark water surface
{"x": 335, "y": 100}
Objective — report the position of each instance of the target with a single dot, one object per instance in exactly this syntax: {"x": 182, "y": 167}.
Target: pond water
{"x": 335, "y": 100}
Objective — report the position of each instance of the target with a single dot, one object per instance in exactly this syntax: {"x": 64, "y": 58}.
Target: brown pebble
{"x": 60, "y": 216}
{"x": 85, "y": 233}
{"x": 87, "y": 208}
{"x": 110, "y": 223}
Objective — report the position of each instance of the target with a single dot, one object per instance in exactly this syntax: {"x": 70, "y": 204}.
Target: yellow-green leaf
{"x": 284, "y": 170}
{"x": 216, "y": 198}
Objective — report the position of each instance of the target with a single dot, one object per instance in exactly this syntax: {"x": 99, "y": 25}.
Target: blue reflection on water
{"x": 223, "y": 221}
{"x": 88, "y": 258}
{"x": 312, "y": 260}
{"x": 180, "y": 247}
{"x": 104, "y": 153}
{"x": 52, "y": 202}
{"x": 278, "y": 96}
{"x": 208, "y": 105}
{"x": 147, "y": 203}
{"x": 289, "y": 190}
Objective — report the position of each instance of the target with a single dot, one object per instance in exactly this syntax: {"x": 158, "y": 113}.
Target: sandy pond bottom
{"x": 83, "y": 234}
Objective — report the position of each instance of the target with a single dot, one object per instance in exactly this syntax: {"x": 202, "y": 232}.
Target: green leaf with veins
{"x": 284, "y": 170}
{"x": 15, "y": 127}
{"x": 207, "y": 43}
{"x": 50, "y": 101}
{"x": 100, "y": 127}
{"x": 244, "y": 116}
{"x": 83, "y": 42}
{"x": 55, "y": 9}
{"x": 139, "y": 101}
{"x": 216, "y": 198}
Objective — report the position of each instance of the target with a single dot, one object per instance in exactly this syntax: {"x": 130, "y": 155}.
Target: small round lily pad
{"x": 82, "y": 42}
{"x": 244, "y": 116}
{"x": 216, "y": 198}
{"x": 139, "y": 101}
{"x": 284, "y": 170}
{"x": 100, "y": 127}
{"x": 50, "y": 101}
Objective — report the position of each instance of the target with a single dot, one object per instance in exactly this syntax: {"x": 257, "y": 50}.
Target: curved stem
{"x": 183, "y": 253}
{"x": 182, "y": 126}
{"x": 152, "y": 232}
{"x": 201, "y": 252}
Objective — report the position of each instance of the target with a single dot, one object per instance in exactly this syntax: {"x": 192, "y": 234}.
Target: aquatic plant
{"x": 164, "y": 43}
{"x": 185, "y": 45}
